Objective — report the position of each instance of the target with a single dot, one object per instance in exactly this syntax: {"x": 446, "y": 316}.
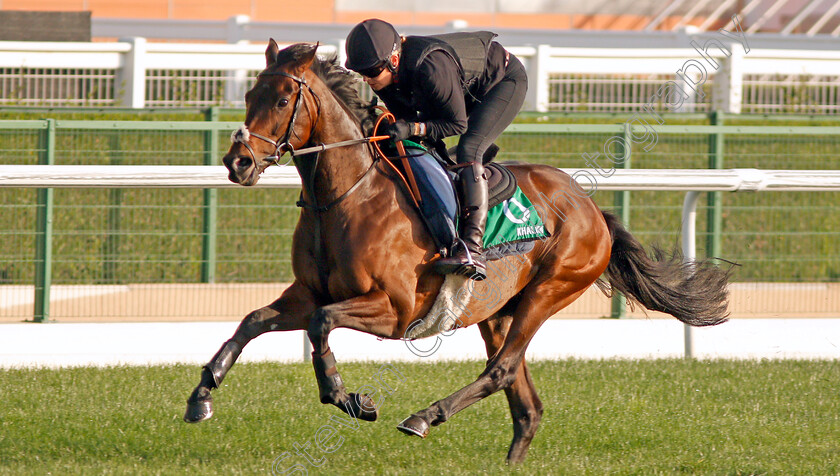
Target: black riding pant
{"x": 495, "y": 111}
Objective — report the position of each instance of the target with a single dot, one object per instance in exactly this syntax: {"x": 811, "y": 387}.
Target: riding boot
{"x": 466, "y": 256}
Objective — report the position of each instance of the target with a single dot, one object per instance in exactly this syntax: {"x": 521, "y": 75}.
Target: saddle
{"x": 501, "y": 183}
{"x": 438, "y": 190}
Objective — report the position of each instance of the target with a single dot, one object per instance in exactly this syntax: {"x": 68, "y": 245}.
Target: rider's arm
{"x": 438, "y": 83}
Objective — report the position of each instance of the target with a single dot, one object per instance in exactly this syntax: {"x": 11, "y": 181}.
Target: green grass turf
{"x": 601, "y": 417}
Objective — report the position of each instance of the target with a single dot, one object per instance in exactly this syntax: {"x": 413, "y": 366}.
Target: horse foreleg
{"x": 289, "y": 312}
{"x": 371, "y": 313}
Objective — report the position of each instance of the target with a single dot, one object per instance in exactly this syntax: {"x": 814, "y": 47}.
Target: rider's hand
{"x": 400, "y": 130}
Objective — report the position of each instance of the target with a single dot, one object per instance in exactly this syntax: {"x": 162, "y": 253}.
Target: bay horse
{"x": 361, "y": 256}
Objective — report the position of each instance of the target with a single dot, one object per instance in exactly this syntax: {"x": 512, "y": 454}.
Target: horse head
{"x": 281, "y": 113}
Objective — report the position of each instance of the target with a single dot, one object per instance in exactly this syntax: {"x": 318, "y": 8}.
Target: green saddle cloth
{"x": 512, "y": 220}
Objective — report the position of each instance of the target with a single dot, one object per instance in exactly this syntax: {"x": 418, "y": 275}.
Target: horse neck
{"x": 340, "y": 168}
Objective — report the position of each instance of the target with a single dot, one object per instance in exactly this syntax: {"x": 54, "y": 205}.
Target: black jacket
{"x": 433, "y": 86}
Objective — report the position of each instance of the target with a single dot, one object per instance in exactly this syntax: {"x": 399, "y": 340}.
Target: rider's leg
{"x": 474, "y": 201}
{"x": 495, "y": 111}
{"x": 467, "y": 258}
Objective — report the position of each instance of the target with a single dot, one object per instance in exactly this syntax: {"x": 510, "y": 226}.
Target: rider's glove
{"x": 400, "y": 130}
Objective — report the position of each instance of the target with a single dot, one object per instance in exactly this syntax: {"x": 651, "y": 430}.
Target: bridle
{"x": 242, "y": 134}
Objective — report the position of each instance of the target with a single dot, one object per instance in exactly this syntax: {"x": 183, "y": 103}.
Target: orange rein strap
{"x": 410, "y": 183}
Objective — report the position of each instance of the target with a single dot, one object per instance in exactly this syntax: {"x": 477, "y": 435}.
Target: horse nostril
{"x": 242, "y": 163}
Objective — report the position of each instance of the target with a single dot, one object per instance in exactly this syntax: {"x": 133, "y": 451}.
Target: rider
{"x": 441, "y": 86}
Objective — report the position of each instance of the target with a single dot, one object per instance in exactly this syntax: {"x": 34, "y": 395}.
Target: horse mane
{"x": 339, "y": 80}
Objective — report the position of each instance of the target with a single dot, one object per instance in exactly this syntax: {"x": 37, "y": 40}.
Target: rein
{"x": 242, "y": 135}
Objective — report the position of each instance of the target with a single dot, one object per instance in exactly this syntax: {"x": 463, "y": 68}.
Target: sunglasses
{"x": 374, "y": 71}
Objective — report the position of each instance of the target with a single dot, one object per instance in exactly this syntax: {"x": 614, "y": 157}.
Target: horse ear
{"x": 307, "y": 58}
{"x": 271, "y": 52}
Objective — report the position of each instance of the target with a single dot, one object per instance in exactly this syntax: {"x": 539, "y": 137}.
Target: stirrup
{"x": 468, "y": 266}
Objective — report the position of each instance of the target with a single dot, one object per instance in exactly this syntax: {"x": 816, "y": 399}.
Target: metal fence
{"x": 58, "y": 86}
{"x": 104, "y": 243}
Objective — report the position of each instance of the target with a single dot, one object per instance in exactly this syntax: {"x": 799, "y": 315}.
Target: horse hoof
{"x": 199, "y": 408}
{"x": 414, "y": 425}
{"x": 199, "y": 411}
{"x": 364, "y": 407}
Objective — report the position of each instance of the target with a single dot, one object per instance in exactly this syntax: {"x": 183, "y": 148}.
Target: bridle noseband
{"x": 242, "y": 135}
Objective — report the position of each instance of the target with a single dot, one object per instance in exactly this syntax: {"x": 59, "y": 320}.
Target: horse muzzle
{"x": 241, "y": 169}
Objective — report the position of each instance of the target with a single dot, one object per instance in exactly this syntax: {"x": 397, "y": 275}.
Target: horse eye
{"x": 282, "y": 102}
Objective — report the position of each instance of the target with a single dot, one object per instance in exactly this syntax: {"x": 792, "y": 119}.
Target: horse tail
{"x": 693, "y": 292}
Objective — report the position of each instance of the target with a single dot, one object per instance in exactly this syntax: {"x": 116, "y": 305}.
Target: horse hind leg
{"x": 526, "y": 409}
{"x": 503, "y": 369}
{"x": 289, "y": 312}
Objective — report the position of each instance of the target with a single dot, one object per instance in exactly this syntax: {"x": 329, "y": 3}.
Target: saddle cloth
{"x": 512, "y": 222}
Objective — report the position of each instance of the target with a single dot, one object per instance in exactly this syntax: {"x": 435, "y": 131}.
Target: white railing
{"x": 692, "y": 181}
{"x": 216, "y": 176}
{"x": 137, "y": 73}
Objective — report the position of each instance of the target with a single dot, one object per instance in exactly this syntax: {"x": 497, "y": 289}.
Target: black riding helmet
{"x": 370, "y": 43}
